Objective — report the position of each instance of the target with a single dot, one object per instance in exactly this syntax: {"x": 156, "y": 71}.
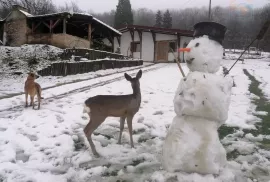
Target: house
{"x": 153, "y": 43}
{"x": 64, "y": 30}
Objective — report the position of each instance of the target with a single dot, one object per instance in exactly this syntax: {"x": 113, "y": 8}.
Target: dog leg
{"x": 32, "y": 101}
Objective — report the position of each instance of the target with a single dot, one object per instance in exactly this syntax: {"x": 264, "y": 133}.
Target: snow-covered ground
{"x": 14, "y": 84}
{"x": 233, "y": 55}
{"x": 16, "y": 59}
{"x": 47, "y": 144}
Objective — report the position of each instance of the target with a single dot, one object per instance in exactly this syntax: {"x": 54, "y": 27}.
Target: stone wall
{"x": 15, "y": 29}
{"x": 58, "y": 40}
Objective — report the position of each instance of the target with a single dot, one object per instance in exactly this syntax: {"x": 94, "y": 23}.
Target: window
{"x": 135, "y": 47}
{"x": 172, "y": 47}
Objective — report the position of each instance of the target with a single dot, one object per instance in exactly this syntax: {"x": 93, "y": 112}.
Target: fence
{"x": 63, "y": 69}
{"x": 90, "y": 54}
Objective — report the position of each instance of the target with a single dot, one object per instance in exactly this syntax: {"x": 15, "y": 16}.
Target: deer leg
{"x": 26, "y": 99}
{"x": 89, "y": 129}
{"x": 129, "y": 122}
{"x": 122, "y": 124}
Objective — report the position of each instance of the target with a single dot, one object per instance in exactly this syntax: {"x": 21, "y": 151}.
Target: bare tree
{"x": 71, "y": 7}
{"x": 35, "y": 7}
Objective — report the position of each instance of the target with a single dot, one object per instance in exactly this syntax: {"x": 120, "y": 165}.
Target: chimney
{"x": 18, "y": 7}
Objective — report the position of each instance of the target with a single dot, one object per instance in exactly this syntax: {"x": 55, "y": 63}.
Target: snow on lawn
{"x": 41, "y": 144}
{"x": 13, "y": 84}
{"x": 52, "y": 92}
{"x": 48, "y": 144}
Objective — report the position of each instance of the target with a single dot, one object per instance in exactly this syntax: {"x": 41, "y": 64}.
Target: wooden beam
{"x": 132, "y": 40}
{"x": 155, "y": 43}
{"x": 46, "y": 24}
{"x": 57, "y": 21}
{"x": 178, "y": 46}
{"x": 89, "y": 34}
{"x": 34, "y": 27}
{"x": 140, "y": 36}
{"x": 64, "y": 25}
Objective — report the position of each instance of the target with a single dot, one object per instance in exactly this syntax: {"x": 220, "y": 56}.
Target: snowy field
{"x": 49, "y": 145}
{"x": 14, "y": 84}
{"x": 16, "y": 59}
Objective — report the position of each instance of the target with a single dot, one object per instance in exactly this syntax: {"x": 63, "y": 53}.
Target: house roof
{"x": 84, "y": 16}
{"x": 187, "y": 33}
{"x": 81, "y": 16}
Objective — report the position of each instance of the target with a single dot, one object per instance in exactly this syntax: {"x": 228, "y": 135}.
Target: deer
{"x": 32, "y": 88}
{"x": 123, "y": 106}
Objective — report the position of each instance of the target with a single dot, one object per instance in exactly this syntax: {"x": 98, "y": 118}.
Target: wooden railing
{"x": 90, "y": 54}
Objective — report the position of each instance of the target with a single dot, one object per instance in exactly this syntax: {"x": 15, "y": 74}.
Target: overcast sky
{"x": 99, "y": 6}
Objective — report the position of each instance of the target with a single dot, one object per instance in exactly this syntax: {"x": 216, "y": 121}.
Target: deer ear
{"x": 128, "y": 77}
{"x": 139, "y": 74}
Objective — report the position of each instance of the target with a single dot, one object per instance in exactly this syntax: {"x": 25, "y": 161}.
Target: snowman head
{"x": 204, "y": 55}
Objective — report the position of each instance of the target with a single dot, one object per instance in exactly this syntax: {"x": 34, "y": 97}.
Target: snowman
{"x": 201, "y": 106}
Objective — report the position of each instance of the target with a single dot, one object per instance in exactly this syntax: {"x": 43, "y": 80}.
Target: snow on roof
{"x": 84, "y": 14}
{"x": 107, "y": 26}
{"x": 52, "y": 14}
{"x": 26, "y": 13}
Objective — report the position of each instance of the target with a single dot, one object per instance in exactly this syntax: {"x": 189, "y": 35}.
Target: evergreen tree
{"x": 123, "y": 14}
{"x": 158, "y": 19}
{"x": 167, "y": 20}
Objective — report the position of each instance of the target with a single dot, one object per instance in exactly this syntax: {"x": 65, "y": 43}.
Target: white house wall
{"x": 147, "y": 46}
{"x": 125, "y": 43}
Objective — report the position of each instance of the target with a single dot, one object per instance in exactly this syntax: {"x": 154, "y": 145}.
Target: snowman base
{"x": 192, "y": 145}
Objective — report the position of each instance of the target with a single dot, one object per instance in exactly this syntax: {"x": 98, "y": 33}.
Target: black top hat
{"x": 215, "y": 31}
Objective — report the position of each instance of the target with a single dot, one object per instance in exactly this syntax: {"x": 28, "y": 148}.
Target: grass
{"x": 262, "y": 104}
{"x": 225, "y": 130}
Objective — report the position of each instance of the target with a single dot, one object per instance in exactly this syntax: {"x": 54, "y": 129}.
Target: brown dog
{"x": 32, "y": 88}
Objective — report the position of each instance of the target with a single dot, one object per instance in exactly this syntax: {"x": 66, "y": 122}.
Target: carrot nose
{"x": 184, "y": 50}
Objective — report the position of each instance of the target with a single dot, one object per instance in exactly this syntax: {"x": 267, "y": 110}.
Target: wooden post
{"x": 132, "y": 40}
{"x": 33, "y": 27}
{"x": 51, "y": 26}
{"x": 112, "y": 43}
{"x": 140, "y": 36}
{"x": 178, "y": 46}
{"x": 119, "y": 40}
{"x": 155, "y": 42}
{"x": 111, "y": 39}
{"x": 64, "y": 25}
{"x": 89, "y": 34}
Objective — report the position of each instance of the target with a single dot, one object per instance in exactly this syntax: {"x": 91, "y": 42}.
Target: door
{"x": 162, "y": 50}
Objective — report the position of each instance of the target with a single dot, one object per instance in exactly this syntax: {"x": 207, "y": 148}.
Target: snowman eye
{"x": 190, "y": 61}
{"x": 197, "y": 44}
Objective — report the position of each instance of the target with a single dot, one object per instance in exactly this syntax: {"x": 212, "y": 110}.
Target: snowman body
{"x": 201, "y": 105}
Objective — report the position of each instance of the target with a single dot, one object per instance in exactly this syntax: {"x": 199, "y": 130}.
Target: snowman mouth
{"x": 190, "y": 60}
